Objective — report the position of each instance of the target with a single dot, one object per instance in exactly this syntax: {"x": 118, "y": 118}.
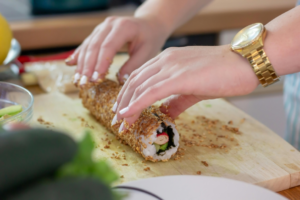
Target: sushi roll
{"x": 153, "y": 135}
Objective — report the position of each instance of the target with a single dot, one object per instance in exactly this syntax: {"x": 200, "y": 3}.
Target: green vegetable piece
{"x": 83, "y": 164}
{"x": 157, "y": 147}
{"x": 164, "y": 146}
{"x": 11, "y": 110}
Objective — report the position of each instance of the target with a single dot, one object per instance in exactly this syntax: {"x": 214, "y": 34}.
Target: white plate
{"x": 197, "y": 188}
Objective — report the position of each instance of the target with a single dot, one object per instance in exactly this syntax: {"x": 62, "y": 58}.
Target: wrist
{"x": 246, "y": 71}
{"x": 277, "y": 52}
{"x": 156, "y": 23}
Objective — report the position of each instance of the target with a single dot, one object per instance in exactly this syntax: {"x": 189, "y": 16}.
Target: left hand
{"x": 191, "y": 74}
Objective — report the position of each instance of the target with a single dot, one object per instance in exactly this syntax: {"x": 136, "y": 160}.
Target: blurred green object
{"x": 40, "y": 164}
{"x": 66, "y": 6}
{"x": 75, "y": 188}
{"x": 83, "y": 165}
{"x": 32, "y": 154}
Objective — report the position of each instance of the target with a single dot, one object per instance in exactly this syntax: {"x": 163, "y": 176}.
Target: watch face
{"x": 247, "y": 35}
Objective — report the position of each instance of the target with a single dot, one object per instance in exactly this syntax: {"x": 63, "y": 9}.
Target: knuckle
{"x": 170, "y": 53}
{"x": 107, "y": 44}
{"x": 138, "y": 91}
{"x": 134, "y": 74}
{"x": 92, "y": 47}
{"x": 123, "y": 22}
{"x": 170, "y": 49}
{"x": 97, "y": 28}
{"x": 110, "y": 19}
{"x": 151, "y": 90}
{"x": 132, "y": 83}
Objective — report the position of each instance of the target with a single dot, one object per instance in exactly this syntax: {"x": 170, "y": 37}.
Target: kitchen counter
{"x": 71, "y": 29}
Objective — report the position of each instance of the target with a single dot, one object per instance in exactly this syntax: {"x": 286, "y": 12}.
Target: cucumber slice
{"x": 11, "y": 110}
{"x": 164, "y": 146}
{"x": 157, "y": 147}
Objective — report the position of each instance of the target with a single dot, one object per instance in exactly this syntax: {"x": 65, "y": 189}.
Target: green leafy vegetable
{"x": 83, "y": 164}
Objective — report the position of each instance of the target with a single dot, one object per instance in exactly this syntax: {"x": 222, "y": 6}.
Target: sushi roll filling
{"x": 166, "y": 135}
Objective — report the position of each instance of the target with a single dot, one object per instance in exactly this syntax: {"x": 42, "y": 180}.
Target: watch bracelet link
{"x": 262, "y": 67}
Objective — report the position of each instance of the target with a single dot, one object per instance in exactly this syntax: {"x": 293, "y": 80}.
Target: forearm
{"x": 282, "y": 43}
{"x": 170, "y": 13}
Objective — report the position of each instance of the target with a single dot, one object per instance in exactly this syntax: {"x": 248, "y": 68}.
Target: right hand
{"x": 93, "y": 57}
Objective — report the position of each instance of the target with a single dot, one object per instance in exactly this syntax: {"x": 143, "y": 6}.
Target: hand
{"x": 191, "y": 74}
{"x": 94, "y": 56}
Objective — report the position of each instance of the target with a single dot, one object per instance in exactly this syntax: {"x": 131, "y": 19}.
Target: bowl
{"x": 11, "y": 94}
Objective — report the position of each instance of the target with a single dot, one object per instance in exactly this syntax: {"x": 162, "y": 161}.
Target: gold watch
{"x": 249, "y": 43}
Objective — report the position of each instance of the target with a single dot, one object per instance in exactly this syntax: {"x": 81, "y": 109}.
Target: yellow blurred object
{"x": 5, "y": 38}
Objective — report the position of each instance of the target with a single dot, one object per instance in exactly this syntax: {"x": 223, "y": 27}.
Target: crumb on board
{"x": 230, "y": 122}
{"x": 40, "y": 119}
{"x": 125, "y": 165}
{"x": 242, "y": 120}
{"x": 43, "y": 122}
{"x": 122, "y": 176}
{"x": 147, "y": 169}
{"x": 106, "y": 147}
{"x": 199, "y": 172}
{"x": 204, "y": 163}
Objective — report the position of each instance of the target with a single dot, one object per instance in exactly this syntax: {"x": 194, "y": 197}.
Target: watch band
{"x": 262, "y": 67}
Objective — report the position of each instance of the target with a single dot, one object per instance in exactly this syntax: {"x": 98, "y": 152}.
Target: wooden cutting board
{"x": 256, "y": 155}
{"x": 261, "y": 157}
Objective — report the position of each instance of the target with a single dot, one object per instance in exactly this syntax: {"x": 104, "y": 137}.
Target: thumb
{"x": 137, "y": 59}
{"x": 176, "y": 104}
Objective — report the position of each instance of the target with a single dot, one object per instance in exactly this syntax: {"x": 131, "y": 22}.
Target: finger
{"x": 152, "y": 94}
{"x": 137, "y": 92}
{"x": 134, "y": 74}
{"x": 177, "y": 104}
{"x": 92, "y": 51}
{"x": 84, "y": 46}
{"x": 72, "y": 59}
{"x": 136, "y": 60}
{"x": 81, "y": 53}
{"x": 112, "y": 43}
{"x": 137, "y": 85}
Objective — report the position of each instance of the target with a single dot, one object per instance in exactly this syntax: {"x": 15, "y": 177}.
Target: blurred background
{"x": 45, "y": 27}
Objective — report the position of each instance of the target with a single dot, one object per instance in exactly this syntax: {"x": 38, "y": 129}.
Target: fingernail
{"x": 69, "y": 59}
{"x": 83, "y": 80}
{"x": 125, "y": 77}
{"x": 76, "y": 77}
{"x": 114, "y": 121}
{"x": 121, "y": 127}
{"x": 95, "y": 76}
{"x": 114, "y": 108}
{"x": 124, "y": 110}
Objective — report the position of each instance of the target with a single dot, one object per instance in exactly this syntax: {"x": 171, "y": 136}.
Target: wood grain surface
{"x": 71, "y": 30}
